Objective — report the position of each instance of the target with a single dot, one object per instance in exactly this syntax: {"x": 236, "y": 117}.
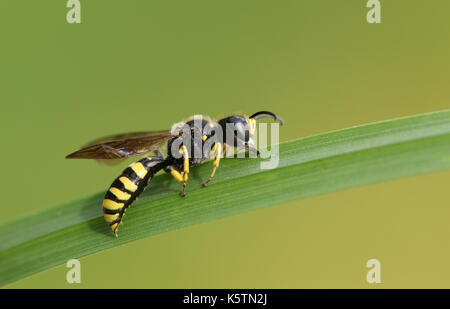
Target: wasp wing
{"x": 123, "y": 145}
{"x": 123, "y": 136}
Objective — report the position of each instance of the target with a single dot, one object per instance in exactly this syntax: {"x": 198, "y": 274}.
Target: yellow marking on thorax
{"x": 139, "y": 169}
{"x": 120, "y": 194}
{"x": 111, "y": 218}
{"x": 110, "y": 204}
{"x": 128, "y": 184}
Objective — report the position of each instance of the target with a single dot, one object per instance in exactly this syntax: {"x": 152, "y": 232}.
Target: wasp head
{"x": 238, "y": 130}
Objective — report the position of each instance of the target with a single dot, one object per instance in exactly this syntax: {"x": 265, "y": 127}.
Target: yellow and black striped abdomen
{"x": 127, "y": 187}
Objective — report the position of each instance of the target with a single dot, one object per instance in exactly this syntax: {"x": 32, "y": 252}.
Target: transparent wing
{"x": 123, "y": 145}
{"x": 123, "y": 136}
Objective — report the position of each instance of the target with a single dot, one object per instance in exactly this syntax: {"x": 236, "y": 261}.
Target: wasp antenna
{"x": 266, "y": 114}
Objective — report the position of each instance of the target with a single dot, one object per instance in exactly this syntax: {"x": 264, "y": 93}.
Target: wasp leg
{"x": 183, "y": 176}
{"x": 217, "y": 148}
{"x": 158, "y": 154}
{"x": 186, "y": 168}
{"x": 252, "y": 149}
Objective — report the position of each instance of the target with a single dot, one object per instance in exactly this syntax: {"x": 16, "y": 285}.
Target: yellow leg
{"x": 176, "y": 174}
{"x": 217, "y": 148}
{"x": 182, "y": 177}
{"x": 185, "y": 153}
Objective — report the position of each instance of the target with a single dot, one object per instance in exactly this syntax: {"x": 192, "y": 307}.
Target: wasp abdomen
{"x": 126, "y": 188}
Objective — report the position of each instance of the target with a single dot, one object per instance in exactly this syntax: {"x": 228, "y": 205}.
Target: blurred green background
{"x": 142, "y": 65}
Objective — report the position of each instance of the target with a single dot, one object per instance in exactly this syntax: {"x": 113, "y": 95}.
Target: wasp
{"x": 189, "y": 143}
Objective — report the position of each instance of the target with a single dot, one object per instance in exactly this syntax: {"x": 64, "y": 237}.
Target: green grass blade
{"x": 308, "y": 167}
